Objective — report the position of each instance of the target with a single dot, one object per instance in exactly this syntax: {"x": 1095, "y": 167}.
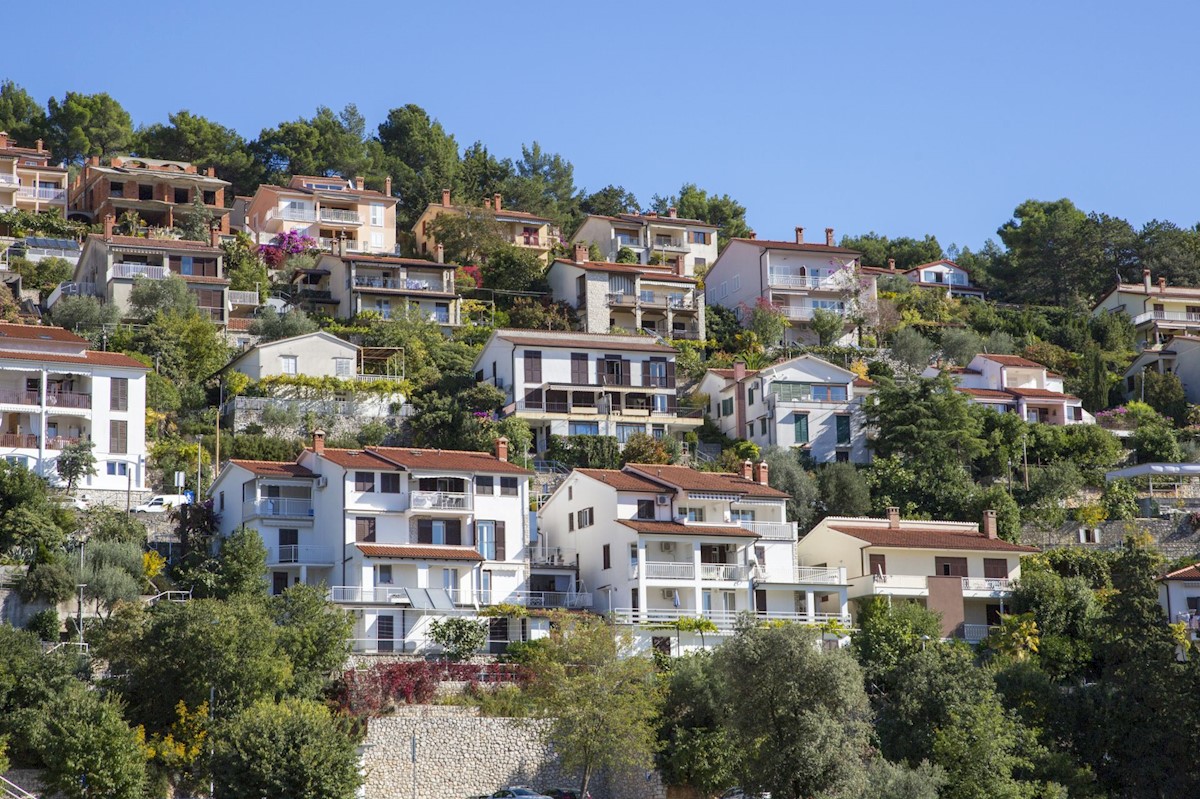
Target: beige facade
{"x": 28, "y": 181}
{"x": 527, "y": 231}
{"x": 342, "y": 215}
{"x": 687, "y": 246}
{"x": 157, "y": 191}
{"x": 1156, "y": 309}
{"x": 347, "y": 285}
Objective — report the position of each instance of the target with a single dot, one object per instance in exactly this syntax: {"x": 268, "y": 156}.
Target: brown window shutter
{"x": 424, "y": 531}
{"x": 672, "y": 403}
{"x": 645, "y": 373}
{"x": 626, "y": 372}
{"x": 760, "y": 600}
{"x": 364, "y": 529}
{"x": 500, "y": 553}
{"x": 670, "y": 374}
{"x": 878, "y": 564}
{"x": 454, "y": 532}
{"x": 995, "y": 568}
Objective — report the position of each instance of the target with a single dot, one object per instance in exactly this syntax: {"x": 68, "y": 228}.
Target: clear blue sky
{"x": 903, "y": 118}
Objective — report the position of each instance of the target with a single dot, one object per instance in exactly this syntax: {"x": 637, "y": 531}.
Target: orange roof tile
{"x": 273, "y": 468}
{"x": 395, "y": 458}
{"x": 624, "y": 481}
{"x": 1186, "y": 573}
{"x": 10, "y": 330}
{"x": 89, "y": 358}
{"x": 421, "y": 551}
{"x": 806, "y": 247}
{"x": 716, "y": 482}
{"x": 165, "y": 244}
{"x": 966, "y": 537}
{"x": 675, "y": 528}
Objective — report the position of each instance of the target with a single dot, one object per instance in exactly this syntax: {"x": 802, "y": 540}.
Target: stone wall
{"x": 460, "y": 754}
{"x": 1173, "y": 535}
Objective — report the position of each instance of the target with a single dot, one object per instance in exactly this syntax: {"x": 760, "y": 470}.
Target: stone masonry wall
{"x": 460, "y": 754}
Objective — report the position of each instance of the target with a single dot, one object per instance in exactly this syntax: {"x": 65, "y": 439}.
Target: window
{"x": 376, "y": 215}
{"x": 750, "y": 395}
{"x": 118, "y": 398}
{"x": 116, "y": 189}
{"x": 289, "y": 538}
{"x": 364, "y": 481}
{"x": 878, "y": 564}
{"x": 376, "y": 240}
{"x": 570, "y": 522}
{"x": 485, "y": 531}
{"x": 508, "y": 486}
{"x": 800, "y": 423}
{"x": 727, "y": 407}
{"x": 288, "y": 364}
{"x": 624, "y": 431}
{"x": 843, "y": 430}
{"x": 741, "y": 515}
{"x": 210, "y": 198}
{"x": 485, "y": 484}
{"x": 533, "y": 367}
{"x": 185, "y": 265}
{"x": 842, "y": 457}
{"x": 364, "y": 528}
{"x": 692, "y": 514}
{"x": 579, "y": 368}
{"x": 995, "y": 568}
{"x": 950, "y": 567}
{"x": 221, "y": 501}
{"x": 586, "y": 517}
{"x": 383, "y": 575}
{"x": 145, "y": 192}
{"x": 570, "y": 492}
{"x": 118, "y": 437}
{"x": 750, "y": 430}
{"x": 120, "y": 469}
{"x": 658, "y": 431}
{"x": 762, "y": 426}
{"x": 450, "y": 579}
{"x": 389, "y": 483}
{"x": 385, "y": 628}
{"x": 660, "y": 403}
{"x": 645, "y": 509}
{"x": 583, "y": 429}
{"x": 701, "y": 263}
{"x": 699, "y": 237}
{"x": 607, "y": 553}
{"x": 343, "y": 367}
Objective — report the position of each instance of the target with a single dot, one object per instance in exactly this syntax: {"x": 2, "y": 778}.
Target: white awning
{"x": 1153, "y": 469}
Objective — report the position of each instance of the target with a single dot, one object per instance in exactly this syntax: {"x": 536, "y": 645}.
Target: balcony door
{"x": 385, "y": 633}
{"x": 950, "y": 567}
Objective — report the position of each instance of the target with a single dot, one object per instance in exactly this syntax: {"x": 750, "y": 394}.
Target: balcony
{"x": 58, "y": 442}
{"x": 994, "y": 586}
{"x": 552, "y": 556}
{"x": 788, "y": 280}
{"x": 293, "y": 553}
{"x": 1178, "y": 317}
{"x": 811, "y": 574}
{"x": 725, "y": 620}
{"x": 666, "y": 570}
{"x": 9, "y": 180}
{"x": 12, "y": 396}
{"x": 314, "y": 294}
{"x": 669, "y": 245}
{"x": 278, "y": 507}
{"x": 552, "y": 599}
{"x": 19, "y": 440}
{"x": 723, "y": 571}
{"x": 805, "y": 312}
{"x": 51, "y": 195}
{"x": 340, "y": 216}
{"x": 141, "y": 270}
{"x": 68, "y": 399}
{"x": 441, "y": 500}
{"x": 243, "y": 298}
{"x": 399, "y": 284}
{"x": 771, "y": 531}
{"x": 332, "y": 244}
{"x": 293, "y": 214}
{"x": 974, "y": 633}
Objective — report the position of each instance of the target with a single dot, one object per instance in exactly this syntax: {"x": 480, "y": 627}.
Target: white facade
{"x": 54, "y": 391}
{"x": 580, "y": 384}
{"x": 656, "y": 544}
{"x": 945, "y": 275}
{"x": 689, "y": 244}
{"x": 796, "y": 277}
{"x": 1178, "y": 355}
{"x": 951, "y": 567}
{"x": 1011, "y": 384}
{"x": 401, "y": 536}
{"x": 805, "y": 403}
{"x": 1179, "y": 595}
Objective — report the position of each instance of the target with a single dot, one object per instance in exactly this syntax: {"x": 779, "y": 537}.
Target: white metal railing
{"x": 993, "y": 584}
{"x": 670, "y": 570}
{"x": 793, "y": 281}
{"x": 975, "y": 632}
{"x": 441, "y": 500}
{"x": 10, "y": 790}
{"x": 772, "y": 531}
{"x": 552, "y": 599}
{"x": 1166, "y": 316}
{"x": 806, "y": 311}
{"x": 669, "y": 244}
{"x": 724, "y": 619}
{"x": 293, "y": 214}
{"x": 9, "y": 180}
{"x": 816, "y": 574}
{"x": 898, "y": 581}
{"x": 277, "y": 506}
{"x": 140, "y": 270}
{"x": 722, "y": 571}
{"x": 300, "y": 553}
{"x": 552, "y": 556}
{"x": 37, "y": 193}
{"x": 327, "y": 243}
{"x": 243, "y": 297}
{"x": 339, "y": 215}
{"x": 170, "y": 596}
{"x": 78, "y": 647}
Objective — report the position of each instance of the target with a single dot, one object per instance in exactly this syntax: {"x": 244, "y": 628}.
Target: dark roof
{"x": 912, "y": 534}
{"x": 675, "y": 528}
{"x": 624, "y": 481}
{"x": 273, "y": 468}
{"x": 422, "y": 551}
{"x": 714, "y": 482}
{"x": 394, "y": 458}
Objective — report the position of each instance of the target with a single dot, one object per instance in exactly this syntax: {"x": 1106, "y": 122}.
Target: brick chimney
{"x": 680, "y": 266}
{"x": 581, "y": 253}
{"x": 989, "y": 523}
{"x": 115, "y": 161}
{"x": 892, "y": 264}
{"x": 441, "y": 254}
{"x": 502, "y": 448}
{"x": 829, "y": 237}
{"x": 747, "y": 470}
{"x": 341, "y": 244}
{"x": 318, "y": 442}
{"x": 3, "y": 139}
{"x": 93, "y": 160}
{"x": 214, "y": 236}
{"x": 360, "y": 182}
{"x": 1162, "y": 285}
{"x": 496, "y": 199}
{"x": 445, "y": 198}
{"x": 673, "y": 213}
{"x": 751, "y": 235}
{"x": 1146, "y": 280}
{"x": 893, "y": 517}
{"x": 110, "y": 221}
{"x": 760, "y": 472}
{"x": 799, "y": 235}
{"x": 39, "y": 145}
{"x": 739, "y": 372}
{"x": 387, "y": 185}
{"x": 212, "y": 171}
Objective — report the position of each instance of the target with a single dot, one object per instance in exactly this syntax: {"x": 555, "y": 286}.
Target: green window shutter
{"x": 843, "y": 429}
{"x": 801, "y": 428}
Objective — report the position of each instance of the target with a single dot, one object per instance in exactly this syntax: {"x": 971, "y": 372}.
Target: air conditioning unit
{"x": 668, "y": 593}
{"x": 667, "y": 546}
{"x": 663, "y": 499}
{"x": 322, "y": 481}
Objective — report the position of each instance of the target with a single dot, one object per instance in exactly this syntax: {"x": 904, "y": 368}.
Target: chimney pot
{"x": 751, "y": 235}
{"x": 1162, "y": 285}
{"x": 214, "y": 236}
{"x": 829, "y": 236}
{"x": 318, "y": 442}
{"x": 445, "y": 198}
{"x": 360, "y": 182}
{"x": 441, "y": 254}
{"x": 110, "y": 222}
{"x": 747, "y": 470}
{"x": 1146, "y": 280}
{"x": 341, "y": 244}
{"x": 739, "y": 371}
{"x": 3, "y": 139}
{"x": 387, "y": 185}
{"x": 496, "y": 199}
{"x": 673, "y": 212}
{"x": 892, "y": 264}
{"x": 989, "y": 523}
{"x": 760, "y": 472}
{"x": 502, "y": 448}
{"x": 799, "y": 235}
{"x": 893, "y": 517}
{"x": 39, "y": 145}
{"x": 581, "y": 253}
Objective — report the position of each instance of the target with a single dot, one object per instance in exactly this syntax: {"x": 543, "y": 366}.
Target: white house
{"x": 798, "y": 277}
{"x": 1179, "y": 594}
{"x": 656, "y": 544}
{"x": 347, "y": 284}
{"x": 688, "y": 246}
{"x": 401, "y": 536}
{"x": 1012, "y": 384}
{"x": 804, "y": 402}
{"x": 1178, "y": 355}
{"x": 55, "y": 391}
{"x": 951, "y": 567}
{"x": 657, "y": 300}
{"x": 584, "y": 384}
{"x": 945, "y": 275}
{"x": 1156, "y": 310}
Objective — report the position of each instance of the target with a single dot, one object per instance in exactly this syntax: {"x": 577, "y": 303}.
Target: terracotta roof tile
{"x": 645, "y": 272}
{"x": 1041, "y": 393}
{"x": 165, "y": 244}
{"x": 675, "y": 528}
{"x": 806, "y": 247}
{"x": 715, "y": 482}
{"x": 1186, "y": 573}
{"x": 728, "y": 373}
{"x": 915, "y": 536}
{"x": 624, "y": 481}
{"x": 862, "y": 382}
{"x": 988, "y": 394}
{"x": 356, "y": 459}
{"x": 421, "y": 551}
{"x": 410, "y": 459}
{"x": 273, "y": 468}
{"x": 574, "y": 340}
{"x": 239, "y": 323}
{"x": 9, "y": 330}
{"x": 89, "y": 358}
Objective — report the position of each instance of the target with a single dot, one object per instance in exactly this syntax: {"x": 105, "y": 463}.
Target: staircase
{"x": 10, "y": 790}
{"x": 548, "y": 475}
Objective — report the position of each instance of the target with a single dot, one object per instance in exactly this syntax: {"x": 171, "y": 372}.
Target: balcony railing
{"x": 58, "y": 442}
{"x": 1167, "y": 316}
{"x": 441, "y": 500}
{"x": 975, "y": 632}
{"x": 667, "y": 570}
{"x": 68, "y": 399}
{"x": 295, "y": 553}
{"x": 991, "y": 584}
{"x": 898, "y": 581}
{"x": 294, "y": 214}
{"x": 722, "y": 571}
{"x": 314, "y": 294}
{"x": 816, "y": 574}
{"x": 399, "y": 284}
{"x": 278, "y": 506}
{"x": 788, "y": 280}
{"x": 805, "y": 312}
{"x": 380, "y": 594}
{"x": 552, "y": 599}
{"x": 12, "y": 396}
{"x": 340, "y": 216}
{"x": 772, "y": 531}
{"x": 552, "y": 556}
{"x": 141, "y": 270}
{"x": 9, "y": 180}
{"x": 243, "y": 297}
{"x": 724, "y": 619}
{"x": 332, "y": 244}
{"x": 671, "y": 245}
{"x": 20, "y": 440}
{"x": 32, "y": 193}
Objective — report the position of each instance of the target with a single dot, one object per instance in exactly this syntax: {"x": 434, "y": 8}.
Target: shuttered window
{"x": 533, "y": 367}
{"x": 118, "y": 394}
{"x": 579, "y": 368}
{"x": 364, "y": 528}
{"x": 118, "y": 437}
{"x": 801, "y": 427}
{"x": 995, "y": 568}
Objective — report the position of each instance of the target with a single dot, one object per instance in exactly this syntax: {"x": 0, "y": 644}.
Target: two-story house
{"x": 109, "y": 265}
{"x": 657, "y": 300}
{"x": 944, "y": 275}
{"x": 797, "y": 277}
{"x": 685, "y": 246}
{"x": 527, "y": 231}
{"x": 28, "y": 181}
{"x": 339, "y": 213}
{"x": 1012, "y": 384}
{"x": 157, "y": 191}
{"x": 954, "y": 568}
{"x": 1179, "y": 595}
{"x": 402, "y": 536}
{"x": 348, "y": 284}
{"x": 578, "y": 384}
{"x": 54, "y": 391}
{"x": 1157, "y": 311}
{"x": 656, "y": 544}
{"x": 1178, "y": 355}
{"x": 804, "y": 403}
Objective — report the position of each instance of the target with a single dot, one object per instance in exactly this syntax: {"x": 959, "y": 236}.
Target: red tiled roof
{"x": 862, "y": 382}
{"x": 913, "y": 535}
{"x": 356, "y": 459}
{"x": 165, "y": 244}
{"x": 1012, "y": 360}
{"x": 421, "y": 551}
{"x": 806, "y": 247}
{"x": 574, "y": 340}
{"x": 388, "y": 259}
{"x": 273, "y": 468}
{"x": 39, "y": 332}
{"x": 238, "y": 323}
{"x": 624, "y": 481}
{"x": 715, "y": 482}
{"x": 939, "y": 262}
{"x": 394, "y": 458}
{"x": 728, "y": 373}
{"x": 647, "y": 273}
{"x": 90, "y": 358}
{"x": 1186, "y": 573}
{"x": 987, "y": 393}
{"x": 658, "y": 218}
{"x": 1041, "y": 393}
{"x": 675, "y": 528}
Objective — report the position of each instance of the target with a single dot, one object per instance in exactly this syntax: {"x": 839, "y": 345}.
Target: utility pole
{"x": 1025, "y": 458}
{"x": 198, "y": 450}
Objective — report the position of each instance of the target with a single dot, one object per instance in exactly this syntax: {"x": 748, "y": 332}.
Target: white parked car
{"x": 162, "y": 503}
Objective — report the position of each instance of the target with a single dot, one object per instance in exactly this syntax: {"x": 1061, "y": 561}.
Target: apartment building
{"x": 349, "y": 284}
{"x": 28, "y": 181}
{"x": 1157, "y": 310}
{"x": 797, "y": 277}
{"x": 401, "y": 536}
{"x": 342, "y": 215}
{"x": 157, "y": 191}
{"x": 685, "y": 246}
{"x": 657, "y": 300}
{"x": 527, "y": 231}
{"x": 803, "y": 403}
{"x": 109, "y": 265}
{"x": 1012, "y": 384}
{"x": 954, "y": 568}
{"x": 944, "y": 275}
{"x": 578, "y": 384}
{"x": 54, "y": 391}
{"x": 656, "y": 544}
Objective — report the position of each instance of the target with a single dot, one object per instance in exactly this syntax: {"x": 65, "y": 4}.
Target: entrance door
{"x": 385, "y": 633}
